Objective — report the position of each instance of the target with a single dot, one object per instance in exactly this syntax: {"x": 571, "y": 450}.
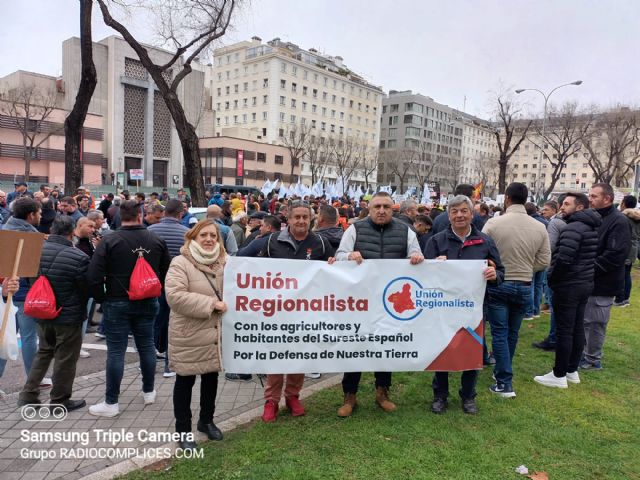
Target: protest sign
{"x": 292, "y": 316}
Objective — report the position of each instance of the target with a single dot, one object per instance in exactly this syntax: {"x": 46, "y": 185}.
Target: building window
{"x": 293, "y": 103}
{"x": 261, "y": 157}
{"x": 279, "y": 160}
{"x": 265, "y": 83}
{"x": 304, "y": 90}
{"x": 283, "y": 84}
{"x": 294, "y": 87}
{"x": 265, "y": 99}
{"x": 282, "y": 100}
{"x": 264, "y": 115}
{"x": 282, "y": 116}
{"x": 293, "y": 119}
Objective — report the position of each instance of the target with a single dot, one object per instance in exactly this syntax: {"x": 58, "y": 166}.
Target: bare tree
{"x": 345, "y": 155}
{"x": 509, "y": 133}
{"x": 316, "y": 155}
{"x": 296, "y": 140}
{"x": 564, "y": 131}
{"x": 401, "y": 163}
{"x": 189, "y": 27}
{"x": 611, "y": 145}
{"x": 422, "y": 168}
{"x": 30, "y": 107}
{"x": 369, "y": 163}
{"x": 73, "y": 124}
{"x": 487, "y": 171}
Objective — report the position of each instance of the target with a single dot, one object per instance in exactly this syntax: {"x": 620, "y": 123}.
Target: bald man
{"x": 214, "y": 212}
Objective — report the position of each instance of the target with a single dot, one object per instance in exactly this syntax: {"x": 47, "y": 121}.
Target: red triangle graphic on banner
{"x": 464, "y": 352}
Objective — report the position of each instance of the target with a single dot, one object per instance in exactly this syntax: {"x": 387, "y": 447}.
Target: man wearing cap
{"x": 255, "y": 222}
{"x": 20, "y": 191}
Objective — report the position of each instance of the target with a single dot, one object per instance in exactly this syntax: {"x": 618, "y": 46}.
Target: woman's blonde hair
{"x": 195, "y": 230}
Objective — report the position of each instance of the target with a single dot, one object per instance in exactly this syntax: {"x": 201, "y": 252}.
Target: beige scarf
{"x": 202, "y": 256}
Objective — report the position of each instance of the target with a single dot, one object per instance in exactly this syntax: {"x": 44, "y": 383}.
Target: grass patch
{"x": 590, "y": 431}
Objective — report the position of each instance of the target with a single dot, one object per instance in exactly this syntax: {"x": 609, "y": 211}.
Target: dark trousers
{"x": 627, "y": 285}
{"x": 569, "y": 308}
{"x": 60, "y": 343}
{"x": 467, "y": 390}
{"x": 182, "y": 399}
{"x": 351, "y": 380}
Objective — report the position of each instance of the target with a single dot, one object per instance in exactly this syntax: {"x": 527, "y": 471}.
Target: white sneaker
{"x": 312, "y": 375}
{"x": 149, "y": 397}
{"x": 46, "y": 383}
{"x": 2, "y": 394}
{"x": 84, "y": 353}
{"x": 573, "y": 377}
{"x": 104, "y": 409}
{"x": 169, "y": 374}
{"x": 550, "y": 380}
{"x": 100, "y": 335}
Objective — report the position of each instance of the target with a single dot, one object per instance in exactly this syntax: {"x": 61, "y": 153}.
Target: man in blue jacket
{"x": 26, "y": 217}
{"x": 462, "y": 241}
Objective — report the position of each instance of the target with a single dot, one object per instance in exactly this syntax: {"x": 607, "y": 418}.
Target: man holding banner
{"x": 378, "y": 237}
{"x": 297, "y": 242}
{"x": 462, "y": 241}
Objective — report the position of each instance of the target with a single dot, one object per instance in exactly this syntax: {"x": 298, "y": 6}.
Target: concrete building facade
{"x": 238, "y": 157}
{"x": 479, "y": 153}
{"x": 422, "y": 139}
{"x": 46, "y": 153}
{"x": 138, "y": 128}
{"x": 276, "y": 87}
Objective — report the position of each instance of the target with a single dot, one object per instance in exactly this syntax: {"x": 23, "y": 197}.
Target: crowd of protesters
{"x": 572, "y": 259}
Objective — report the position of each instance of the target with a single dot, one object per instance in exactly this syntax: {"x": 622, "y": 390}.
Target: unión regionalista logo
{"x": 399, "y": 297}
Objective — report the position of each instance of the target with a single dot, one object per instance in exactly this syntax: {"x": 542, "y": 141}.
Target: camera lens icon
{"x": 34, "y": 412}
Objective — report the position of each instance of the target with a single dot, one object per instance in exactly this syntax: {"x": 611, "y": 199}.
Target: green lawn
{"x": 590, "y": 431}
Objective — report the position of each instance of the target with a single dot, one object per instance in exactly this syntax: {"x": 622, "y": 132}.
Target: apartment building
{"x": 480, "y": 153}
{"x": 276, "y": 87}
{"x": 420, "y": 141}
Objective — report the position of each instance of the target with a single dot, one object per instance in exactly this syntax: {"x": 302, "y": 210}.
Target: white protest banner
{"x": 293, "y": 316}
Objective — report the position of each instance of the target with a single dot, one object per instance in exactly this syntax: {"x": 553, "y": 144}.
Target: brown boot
{"x": 350, "y": 404}
{"x": 382, "y": 399}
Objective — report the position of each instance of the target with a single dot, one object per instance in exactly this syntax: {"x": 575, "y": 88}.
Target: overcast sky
{"x": 444, "y": 49}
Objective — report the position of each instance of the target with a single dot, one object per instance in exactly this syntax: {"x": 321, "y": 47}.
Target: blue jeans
{"x": 28, "y": 329}
{"x": 122, "y": 317}
{"x": 506, "y": 308}
{"x": 537, "y": 286}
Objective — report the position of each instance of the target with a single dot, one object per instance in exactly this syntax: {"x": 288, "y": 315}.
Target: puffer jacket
{"x": 633, "y": 215}
{"x": 614, "y": 242}
{"x": 194, "y": 329}
{"x": 66, "y": 269}
{"x": 573, "y": 260}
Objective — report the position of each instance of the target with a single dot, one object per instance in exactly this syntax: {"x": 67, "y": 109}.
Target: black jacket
{"x": 477, "y": 246}
{"x": 283, "y": 245}
{"x": 114, "y": 259}
{"x": 66, "y": 269}
{"x": 614, "y": 242}
{"x": 573, "y": 258}
{"x": 331, "y": 234}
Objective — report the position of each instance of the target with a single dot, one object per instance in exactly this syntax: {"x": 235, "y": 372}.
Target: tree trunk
{"x": 27, "y": 156}
{"x": 502, "y": 176}
{"x": 74, "y": 122}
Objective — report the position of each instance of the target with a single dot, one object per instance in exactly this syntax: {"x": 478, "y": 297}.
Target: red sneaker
{"x": 270, "y": 412}
{"x": 294, "y": 406}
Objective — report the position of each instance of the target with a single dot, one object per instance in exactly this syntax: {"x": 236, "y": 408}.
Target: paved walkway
{"x": 237, "y": 403}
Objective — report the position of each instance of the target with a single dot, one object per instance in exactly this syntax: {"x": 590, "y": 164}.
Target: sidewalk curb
{"x": 130, "y": 465}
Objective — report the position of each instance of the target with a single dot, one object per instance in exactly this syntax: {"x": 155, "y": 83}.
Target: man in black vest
{"x": 378, "y": 237}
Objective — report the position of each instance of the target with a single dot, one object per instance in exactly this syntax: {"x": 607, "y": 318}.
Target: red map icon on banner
{"x": 402, "y": 301}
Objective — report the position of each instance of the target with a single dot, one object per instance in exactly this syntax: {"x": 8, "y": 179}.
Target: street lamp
{"x": 539, "y": 184}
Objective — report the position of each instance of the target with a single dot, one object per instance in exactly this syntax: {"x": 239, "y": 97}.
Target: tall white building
{"x": 479, "y": 153}
{"x": 275, "y": 87}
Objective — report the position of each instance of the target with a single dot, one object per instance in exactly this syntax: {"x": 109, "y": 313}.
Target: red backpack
{"x": 41, "y": 301}
{"x": 144, "y": 283}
